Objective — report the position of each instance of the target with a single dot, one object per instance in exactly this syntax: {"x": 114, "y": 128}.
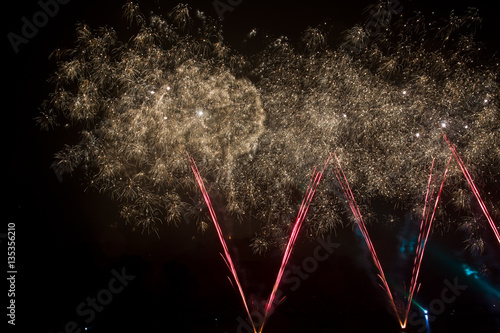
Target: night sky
{"x": 70, "y": 242}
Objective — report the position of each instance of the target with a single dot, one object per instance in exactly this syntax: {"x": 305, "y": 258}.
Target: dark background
{"x": 69, "y": 240}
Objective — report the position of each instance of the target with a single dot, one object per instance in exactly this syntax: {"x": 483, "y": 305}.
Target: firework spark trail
{"x": 425, "y": 219}
{"x": 226, "y": 256}
{"x": 425, "y": 228}
{"x": 472, "y": 185}
{"x": 304, "y": 207}
{"x": 359, "y": 221}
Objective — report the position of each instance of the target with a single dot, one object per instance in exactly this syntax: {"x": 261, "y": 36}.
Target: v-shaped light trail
{"x": 315, "y": 179}
{"x": 425, "y": 228}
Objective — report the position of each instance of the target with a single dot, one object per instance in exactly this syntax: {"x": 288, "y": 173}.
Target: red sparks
{"x": 315, "y": 179}
{"x": 472, "y": 185}
{"x": 226, "y": 256}
{"x": 342, "y": 179}
{"x": 304, "y": 207}
{"x": 425, "y": 228}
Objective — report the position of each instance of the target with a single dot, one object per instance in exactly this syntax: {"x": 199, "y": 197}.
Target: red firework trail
{"x": 425, "y": 228}
{"x": 304, "y": 207}
{"x": 472, "y": 185}
{"x": 226, "y": 256}
{"x": 342, "y": 179}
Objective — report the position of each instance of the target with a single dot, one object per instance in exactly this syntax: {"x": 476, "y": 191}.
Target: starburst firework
{"x": 256, "y": 126}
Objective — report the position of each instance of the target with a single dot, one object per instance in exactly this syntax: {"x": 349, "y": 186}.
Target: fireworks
{"x": 304, "y": 207}
{"x": 256, "y": 125}
{"x": 425, "y": 229}
{"x": 226, "y": 256}
{"x": 344, "y": 184}
{"x": 311, "y": 189}
{"x": 140, "y": 105}
{"x": 473, "y": 188}
{"x": 384, "y": 111}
